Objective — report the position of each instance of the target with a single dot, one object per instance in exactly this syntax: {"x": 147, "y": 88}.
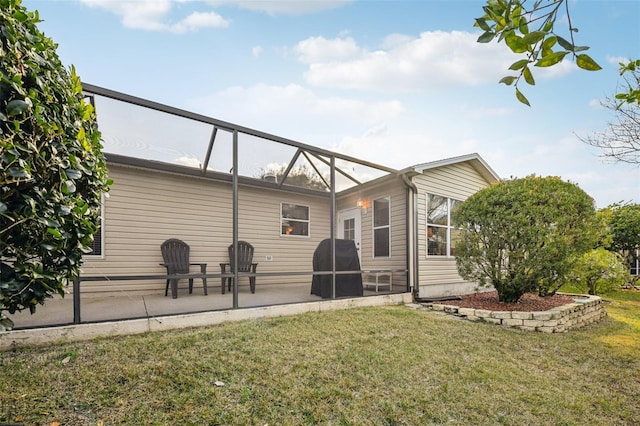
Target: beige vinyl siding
{"x": 147, "y": 207}
{"x": 438, "y": 276}
{"x": 259, "y": 223}
{"x": 396, "y": 191}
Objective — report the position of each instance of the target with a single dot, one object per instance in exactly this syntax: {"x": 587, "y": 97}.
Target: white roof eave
{"x": 474, "y": 159}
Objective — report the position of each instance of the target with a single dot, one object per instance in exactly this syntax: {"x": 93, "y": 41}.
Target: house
{"x": 400, "y": 220}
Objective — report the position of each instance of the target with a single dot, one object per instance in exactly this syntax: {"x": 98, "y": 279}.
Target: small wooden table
{"x": 376, "y": 274}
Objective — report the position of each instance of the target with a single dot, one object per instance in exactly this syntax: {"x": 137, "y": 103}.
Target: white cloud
{"x": 198, "y": 20}
{"x": 376, "y": 131}
{"x": 319, "y": 49}
{"x": 294, "y": 110}
{"x": 569, "y": 159}
{"x": 283, "y": 7}
{"x": 561, "y": 149}
{"x": 616, "y": 60}
{"x": 143, "y": 14}
{"x": 391, "y": 147}
{"x": 394, "y": 40}
{"x": 565, "y": 157}
{"x": 154, "y": 15}
{"x": 257, "y": 51}
{"x": 482, "y": 112}
{"x": 595, "y": 104}
{"x": 435, "y": 59}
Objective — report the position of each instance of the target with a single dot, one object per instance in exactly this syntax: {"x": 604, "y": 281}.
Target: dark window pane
{"x": 381, "y": 212}
{"x": 349, "y": 229}
{"x": 295, "y": 220}
{"x": 437, "y": 210}
{"x": 436, "y": 241}
{"x": 456, "y": 235}
{"x": 381, "y": 242}
{"x": 292, "y": 227}
{"x": 96, "y": 245}
{"x": 293, "y": 211}
{"x": 454, "y": 206}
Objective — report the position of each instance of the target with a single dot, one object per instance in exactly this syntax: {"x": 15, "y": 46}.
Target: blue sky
{"x": 393, "y": 82}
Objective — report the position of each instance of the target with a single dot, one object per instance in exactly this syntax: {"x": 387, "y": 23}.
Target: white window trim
{"x": 448, "y": 227}
{"x": 374, "y": 227}
{"x": 308, "y": 221}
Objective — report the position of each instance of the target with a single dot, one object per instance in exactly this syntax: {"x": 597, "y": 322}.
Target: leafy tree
{"x": 522, "y": 235}
{"x": 302, "y": 176}
{"x": 603, "y": 221}
{"x": 52, "y": 171}
{"x": 598, "y": 271}
{"x": 624, "y": 227}
{"x": 620, "y": 141}
{"x": 631, "y": 94}
{"x": 530, "y": 30}
{"x": 624, "y": 224}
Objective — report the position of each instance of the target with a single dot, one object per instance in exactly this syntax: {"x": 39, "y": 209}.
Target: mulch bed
{"x": 529, "y": 302}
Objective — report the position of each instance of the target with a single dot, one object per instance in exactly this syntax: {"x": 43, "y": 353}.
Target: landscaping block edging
{"x": 583, "y": 311}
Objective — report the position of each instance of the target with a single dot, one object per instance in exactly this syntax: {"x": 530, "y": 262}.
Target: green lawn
{"x": 369, "y": 366}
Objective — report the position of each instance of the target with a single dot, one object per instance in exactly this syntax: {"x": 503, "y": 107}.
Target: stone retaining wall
{"x": 585, "y": 310}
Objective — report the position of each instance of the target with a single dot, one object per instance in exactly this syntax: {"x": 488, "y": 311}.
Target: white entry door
{"x": 349, "y": 226}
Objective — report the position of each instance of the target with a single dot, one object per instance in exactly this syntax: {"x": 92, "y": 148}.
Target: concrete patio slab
{"x": 43, "y": 336}
{"x": 122, "y": 306}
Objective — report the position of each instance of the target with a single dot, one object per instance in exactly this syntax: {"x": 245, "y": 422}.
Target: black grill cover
{"x": 346, "y": 260}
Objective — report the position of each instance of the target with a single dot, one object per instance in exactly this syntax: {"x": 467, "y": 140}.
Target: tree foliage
{"x": 598, "y": 271}
{"x": 624, "y": 224}
{"x": 522, "y": 235}
{"x": 631, "y": 93}
{"x": 622, "y": 231}
{"x": 624, "y": 228}
{"x": 529, "y": 28}
{"x": 603, "y": 221}
{"x": 52, "y": 171}
{"x": 301, "y": 175}
{"x": 620, "y": 141}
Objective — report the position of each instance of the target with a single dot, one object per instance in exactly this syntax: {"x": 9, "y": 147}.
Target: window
{"x": 635, "y": 264}
{"x": 442, "y": 233}
{"x": 96, "y": 246}
{"x": 294, "y": 220}
{"x": 349, "y": 229}
{"x": 381, "y": 227}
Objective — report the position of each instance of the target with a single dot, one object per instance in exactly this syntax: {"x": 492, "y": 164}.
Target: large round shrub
{"x": 522, "y": 235}
{"x": 52, "y": 172}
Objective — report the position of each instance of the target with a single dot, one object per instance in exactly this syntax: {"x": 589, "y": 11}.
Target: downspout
{"x": 413, "y": 210}
{"x": 414, "y": 190}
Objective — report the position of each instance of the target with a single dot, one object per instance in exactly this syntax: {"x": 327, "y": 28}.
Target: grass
{"x": 369, "y": 366}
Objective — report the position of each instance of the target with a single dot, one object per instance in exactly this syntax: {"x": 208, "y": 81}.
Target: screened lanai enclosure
{"x": 321, "y": 225}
